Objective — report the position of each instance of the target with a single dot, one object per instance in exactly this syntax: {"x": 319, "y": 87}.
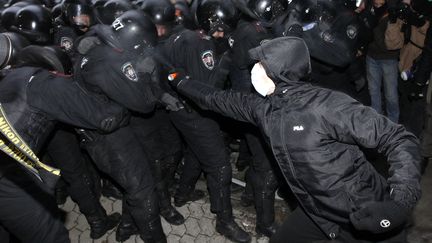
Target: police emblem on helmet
{"x": 66, "y": 43}
{"x": 129, "y": 72}
{"x": 208, "y": 59}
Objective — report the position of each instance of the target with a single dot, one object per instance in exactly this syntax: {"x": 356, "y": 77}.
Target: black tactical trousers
{"x": 65, "y": 152}
{"x": 207, "y": 152}
{"x": 120, "y": 156}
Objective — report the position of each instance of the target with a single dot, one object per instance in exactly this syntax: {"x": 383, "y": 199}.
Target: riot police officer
{"x": 34, "y": 22}
{"x": 34, "y": 100}
{"x": 75, "y": 19}
{"x": 195, "y": 52}
{"x": 334, "y": 34}
{"x": 116, "y": 66}
{"x": 252, "y": 29}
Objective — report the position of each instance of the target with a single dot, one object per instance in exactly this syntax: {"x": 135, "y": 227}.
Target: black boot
{"x": 100, "y": 224}
{"x": 219, "y": 183}
{"x": 111, "y": 190}
{"x": 265, "y": 185}
{"x": 148, "y": 221}
{"x": 266, "y": 230}
{"x": 180, "y": 199}
{"x": 232, "y": 231}
{"x": 167, "y": 211}
{"x": 172, "y": 216}
{"x": 126, "y": 228}
{"x": 154, "y": 232}
{"x": 169, "y": 168}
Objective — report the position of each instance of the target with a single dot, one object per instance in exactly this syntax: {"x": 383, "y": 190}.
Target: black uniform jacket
{"x": 34, "y": 99}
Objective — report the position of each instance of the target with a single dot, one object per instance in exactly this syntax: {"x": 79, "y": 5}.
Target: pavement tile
{"x": 71, "y": 220}
{"x": 195, "y": 210}
{"x": 117, "y": 206}
{"x": 166, "y": 226}
{"x": 85, "y": 237}
{"x": 192, "y": 227}
{"x": 207, "y": 226}
{"x": 111, "y": 238}
{"x": 179, "y": 230}
{"x": 202, "y": 239}
{"x": 107, "y": 204}
{"x": 69, "y": 205}
{"x": 207, "y": 212}
{"x": 173, "y": 239}
{"x": 218, "y": 239}
{"x": 74, "y": 235}
{"x": 82, "y": 223}
{"x": 138, "y": 240}
{"x": 187, "y": 239}
{"x": 184, "y": 211}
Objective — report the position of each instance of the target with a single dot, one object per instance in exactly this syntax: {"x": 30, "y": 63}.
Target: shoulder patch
{"x": 207, "y": 58}
{"x": 129, "y": 71}
{"x": 66, "y": 43}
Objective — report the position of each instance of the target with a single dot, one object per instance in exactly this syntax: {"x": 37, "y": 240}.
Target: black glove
{"x": 176, "y": 76}
{"x": 111, "y": 124}
{"x": 171, "y": 103}
{"x": 380, "y": 217}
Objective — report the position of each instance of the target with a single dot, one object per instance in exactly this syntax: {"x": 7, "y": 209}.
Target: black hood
{"x": 284, "y": 59}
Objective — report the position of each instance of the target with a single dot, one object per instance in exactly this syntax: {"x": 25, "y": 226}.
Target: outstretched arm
{"x": 242, "y": 107}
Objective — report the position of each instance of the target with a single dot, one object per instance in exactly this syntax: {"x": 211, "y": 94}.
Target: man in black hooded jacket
{"x": 341, "y": 194}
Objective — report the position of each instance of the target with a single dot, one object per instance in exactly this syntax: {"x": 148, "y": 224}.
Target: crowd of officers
{"x": 86, "y": 83}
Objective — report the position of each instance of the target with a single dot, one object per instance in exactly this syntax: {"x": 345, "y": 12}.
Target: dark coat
{"x": 316, "y": 134}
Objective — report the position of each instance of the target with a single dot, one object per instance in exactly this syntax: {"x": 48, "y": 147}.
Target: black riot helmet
{"x": 77, "y": 13}
{"x": 8, "y": 16}
{"x": 183, "y": 14}
{"x": 135, "y": 31}
{"x": 56, "y": 11}
{"x": 25, "y": 2}
{"x": 267, "y": 10}
{"x": 35, "y": 23}
{"x": 111, "y": 10}
{"x": 162, "y": 12}
{"x": 217, "y": 15}
{"x": 99, "y": 3}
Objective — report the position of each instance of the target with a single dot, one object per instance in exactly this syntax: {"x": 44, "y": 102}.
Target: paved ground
{"x": 200, "y": 223}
